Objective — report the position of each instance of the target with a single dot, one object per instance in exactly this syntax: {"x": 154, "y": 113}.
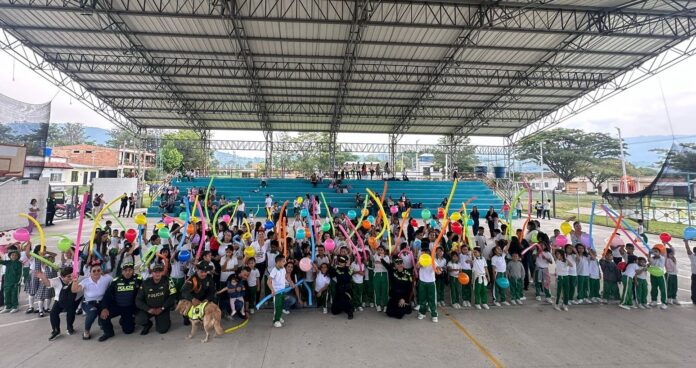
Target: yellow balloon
{"x": 249, "y": 252}
{"x": 365, "y": 212}
{"x": 456, "y": 216}
{"x": 140, "y": 219}
{"x": 404, "y": 214}
{"x": 246, "y": 236}
{"x": 425, "y": 260}
{"x": 300, "y": 200}
{"x": 194, "y": 219}
{"x": 566, "y": 228}
{"x": 159, "y": 225}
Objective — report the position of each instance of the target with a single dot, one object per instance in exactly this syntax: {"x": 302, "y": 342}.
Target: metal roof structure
{"x": 456, "y": 68}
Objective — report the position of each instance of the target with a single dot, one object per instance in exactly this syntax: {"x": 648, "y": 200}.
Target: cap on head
{"x": 128, "y": 265}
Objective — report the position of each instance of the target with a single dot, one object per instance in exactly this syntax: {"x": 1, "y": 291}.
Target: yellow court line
{"x": 478, "y": 344}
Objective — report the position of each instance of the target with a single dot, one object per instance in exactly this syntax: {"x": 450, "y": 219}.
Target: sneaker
{"x": 653, "y": 304}
{"x": 456, "y": 306}
{"x": 538, "y": 298}
{"x": 79, "y": 312}
{"x": 71, "y": 332}
{"x": 41, "y": 314}
{"x": 588, "y": 301}
{"x": 362, "y": 305}
{"x": 360, "y": 309}
{"x": 29, "y": 311}
{"x": 421, "y": 316}
{"x": 435, "y": 319}
{"x": 506, "y": 303}
{"x": 626, "y": 307}
{"x": 379, "y": 309}
{"x": 565, "y": 307}
{"x": 663, "y": 306}
{"x": 372, "y": 305}
{"x": 86, "y": 336}
{"x": 485, "y": 306}
{"x": 522, "y": 298}
{"x": 14, "y": 310}
{"x": 549, "y": 300}
{"x": 277, "y": 324}
{"x": 416, "y": 307}
{"x": 324, "y": 310}
{"x": 285, "y": 311}
{"x": 5, "y": 310}
{"x": 496, "y": 304}
{"x": 282, "y": 320}
{"x": 251, "y": 311}
{"x": 634, "y": 306}
{"x": 54, "y": 335}
{"x": 557, "y": 307}
{"x": 478, "y": 306}
{"x": 641, "y": 306}
{"x": 575, "y": 302}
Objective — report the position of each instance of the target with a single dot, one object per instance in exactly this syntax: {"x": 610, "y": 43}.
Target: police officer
{"x": 119, "y": 300}
{"x": 156, "y": 297}
{"x": 401, "y": 289}
{"x": 200, "y": 287}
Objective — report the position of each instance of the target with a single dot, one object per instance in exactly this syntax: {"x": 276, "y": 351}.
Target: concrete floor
{"x": 532, "y": 335}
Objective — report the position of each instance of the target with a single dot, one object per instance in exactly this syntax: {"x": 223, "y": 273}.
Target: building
{"x": 54, "y": 168}
{"x": 105, "y": 161}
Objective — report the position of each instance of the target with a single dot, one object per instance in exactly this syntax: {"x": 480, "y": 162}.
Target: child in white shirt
{"x": 453, "y": 269}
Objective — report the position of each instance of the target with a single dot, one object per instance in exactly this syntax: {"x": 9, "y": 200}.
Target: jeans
{"x": 289, "y": 301}
{"x": 92, "y": 310}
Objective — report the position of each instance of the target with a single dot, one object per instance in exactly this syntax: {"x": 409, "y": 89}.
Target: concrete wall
{"x": 115, "y": 187}
{"x": 15, "y": 197}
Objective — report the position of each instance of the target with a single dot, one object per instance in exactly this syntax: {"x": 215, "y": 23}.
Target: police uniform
{"x": 401, "y": 288}
{"x": 197, "y": 288}
{"x": 119, "y": 300}
{"x": 160, "y": 295}
{"x": 342, "y": 294}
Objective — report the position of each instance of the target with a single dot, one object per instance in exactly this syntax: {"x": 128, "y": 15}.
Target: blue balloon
{"x": 503, "y": 282}
{"x": 371, "y": 219}
{"x": 433, "y": 223}
{"x": 300, "y": 234}
{"x": 184, "y": 256}
{"x": 268, "y": 225}
{"x": 304, "y": 212}
{"x": 417, "y": 243}
{"x": 470, "y": 222}
{"x": 690, "y": 233}
{"x": 351, "y": 214}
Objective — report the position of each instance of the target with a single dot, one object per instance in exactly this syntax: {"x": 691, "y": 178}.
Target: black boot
{"x": 54, "y": 335}
{"x": 146, "y": 329}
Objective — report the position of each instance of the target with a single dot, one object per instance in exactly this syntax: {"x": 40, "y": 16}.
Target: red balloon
{"x": 457, "y": 228}
{"x": 414, "y": 223}
{"x": 665, "y": 237}
{"x": 131, "y": 234}
{"x": 440, "y": 213}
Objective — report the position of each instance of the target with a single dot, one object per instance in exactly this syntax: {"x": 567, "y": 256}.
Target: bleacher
{"x": 429, "y": 193}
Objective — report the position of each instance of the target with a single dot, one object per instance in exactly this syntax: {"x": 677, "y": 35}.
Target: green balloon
{"x": 64, "y": 244}
{"x": 325, "y": 227}
{"x": 163, "y": 233}
{"x": 182, "y": 215}
{"x": 426, "y": 215}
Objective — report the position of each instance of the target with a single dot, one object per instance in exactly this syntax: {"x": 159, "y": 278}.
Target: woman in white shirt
{"x": 94, "y": 287}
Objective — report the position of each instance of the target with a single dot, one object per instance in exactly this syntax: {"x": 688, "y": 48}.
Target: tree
{"x": 171, "y": 157}
{"x": 189, "y": 145}
{"x": 684, "y": 160}
{"x": 568, "y": 153}
{"x": 119, "y": 137}
{"x": 600, "y": 173}
{"x": 67, "y": 134}
{"x": 464, "y": 158}
{"x": 308, "y": 161}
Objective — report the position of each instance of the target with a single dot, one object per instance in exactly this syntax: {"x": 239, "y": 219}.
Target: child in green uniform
{"x": 276, "y": 282}
{"x": 480, "y": 269}
{"x": 515, "y": 273}
{"x": 641, "y": 280}
{"x": 562, "y": 279}
{"x": 453, "y": 269}
{"x": 441, "y": 263}
{"x": 13, "y": 275}
{"x": 627, "y": 280}
{"x": 465, "y": 262}
{"x": 611, "y": 275}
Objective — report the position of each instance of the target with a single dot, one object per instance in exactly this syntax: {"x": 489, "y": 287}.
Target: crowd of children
{"x": 246, "y": 263}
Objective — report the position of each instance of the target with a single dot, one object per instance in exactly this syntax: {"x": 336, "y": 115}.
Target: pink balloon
{"x": 394, "y": 210}
{"x": 305, "y": 264}
{"x": 617, "y": 241}
{"x": 168, "y": 220}
{"x": 329, "y": 245}
{"x": 226, "y": 218}
{"x": 561, "y": 241}
{"x": 22, "y": 234}
{"x": 3, "y": 249}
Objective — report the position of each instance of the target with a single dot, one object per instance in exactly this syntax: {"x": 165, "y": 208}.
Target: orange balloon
{"x": 307, "y": 234}
{"x": 366, "y": 224}
{"x": 190, "y": 229}
{"x": 372, "y": 242}
{"x": 463, "y": 278}
{"x": 365, "y": 212}
{"x": 380, "y": 214}
{"x": 660, "y": 247}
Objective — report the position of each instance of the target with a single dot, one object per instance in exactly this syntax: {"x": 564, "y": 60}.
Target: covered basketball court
{"x": 393, "y": 67}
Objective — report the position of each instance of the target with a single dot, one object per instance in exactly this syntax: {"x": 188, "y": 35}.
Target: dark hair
{"x": 279, "y": 258}
{"x": 66, "y": 271}
{"x": 561, "y": 252}
{"x": 631, "y": 259}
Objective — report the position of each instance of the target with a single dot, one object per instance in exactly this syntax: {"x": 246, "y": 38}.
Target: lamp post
{"x": 624, "y": 182}
{"x": 417, "y": 140}
{"x": 541, "y": 161}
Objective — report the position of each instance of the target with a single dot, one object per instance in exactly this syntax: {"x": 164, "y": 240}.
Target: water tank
{"x": 481, "y": 170}
{"x": 500, "y": 172}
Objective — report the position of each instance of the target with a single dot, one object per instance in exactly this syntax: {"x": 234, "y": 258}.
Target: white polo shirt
{"x": 277, "y": 278}
{"x": 94, "y": 291}
{"x": 499, "y": 263}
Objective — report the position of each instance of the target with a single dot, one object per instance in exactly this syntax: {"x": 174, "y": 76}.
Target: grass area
{"x": 567, "y": 204}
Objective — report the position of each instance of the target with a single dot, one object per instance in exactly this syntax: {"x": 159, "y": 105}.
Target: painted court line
{"x": 20, "y": 322}
{"x": 478, "y": 344}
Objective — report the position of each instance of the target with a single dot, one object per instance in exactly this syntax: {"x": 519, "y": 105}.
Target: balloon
{"x": 665, "y": 237}
{"x": 304, "y": 212}
{"x": 305, "y": 264}
{"x": 425, "y": 260}
{"x": 371, "y": 219}
{"x": 372, "y": 241}
{"x": 131, "y": 234}
{"x": 300, "y": 200}
{"x": 300, "y": 234}
{"x": 463, "y": 278}
{"x": 561, "y": 241}
{"x": 325, "y": 227}
{"x": 690, "y": 233}
{"x": 168, "y": 220}
{"x": 393, "y": 210}
{"x": 470, "y": 222}
{"x": 335, "y": 210}
{"x": 440, "y": 213}
{"x": 182, "y": 215}
{"x": 404, "y": 215}
{"x": 194, "y": 219}
{"x": 246, "y": 236}
{"x": 22, "y": 234}
{"x": 351, "y": 214}
{"x": 425, "y": 214}
{"x": 503, "y": 282}
{"x": 308, "y": 233}
{"x": 660, "y": 248}
{"x": 366, "y": 224}
{"x": 329, "y": 245}
{"x": 617, "y": 241}
{"x": 417, "y": 243}
{"x": 433, "y": 223}
{"x": 566, "y": 228}
{"x": 159, "y": 225}
{"x": 226, "y": 218}
{"x": 268, "y": 225}
{"x": 622, "y": 266}
{"x": 140, "y": 219}
{"x": 365, "y": 212}
{"x": 249, "y": 252}
{"x": 64, "y": 244}
{"x": 585, "y": 240}
{"x": 457, "y": 227}
{"x": 534, "y": 236}
{"x": 656, "y": 271}
{"x": 163, "y": 233}
{"x": 190, "y": 229}
{"x": 380, "y": 214}
{"x": 414, "y": 223}
{"x": 455, "y": 216}
{"x": 184, "y": 255}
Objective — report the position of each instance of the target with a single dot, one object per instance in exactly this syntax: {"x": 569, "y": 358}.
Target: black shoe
{"x": 41, "y": 314}
{"x": 54, "y": 335}
{"x": 146, "y": 329}
{"x": 350, "y": 316}
{"x": 79, "y": 312}
{"x": 105, "y": 337}
{"x": 71, "y": 331}
{"x": 36, "y": 311}
{"x": 86, "y": 336}
{"x": 187, "y": 322}
{"x": 29, "y": 311}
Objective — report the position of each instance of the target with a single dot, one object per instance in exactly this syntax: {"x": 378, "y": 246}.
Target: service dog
{"x": 210, "y": 318}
